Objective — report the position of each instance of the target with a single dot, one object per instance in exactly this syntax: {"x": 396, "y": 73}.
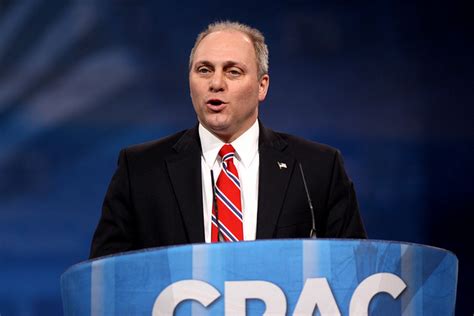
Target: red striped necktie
{"x": 228, "y": 199}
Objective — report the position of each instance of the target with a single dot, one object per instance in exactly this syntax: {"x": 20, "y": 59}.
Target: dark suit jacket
{"x": 155, "y": 196}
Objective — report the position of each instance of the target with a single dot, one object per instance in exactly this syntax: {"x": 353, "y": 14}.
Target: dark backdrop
{"x": 389, "y": 83}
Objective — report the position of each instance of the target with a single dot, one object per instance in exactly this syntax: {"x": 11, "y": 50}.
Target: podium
{"x": 268, "y": 277}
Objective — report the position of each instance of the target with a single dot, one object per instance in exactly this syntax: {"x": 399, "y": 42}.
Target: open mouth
{"x": 215, "y": 102}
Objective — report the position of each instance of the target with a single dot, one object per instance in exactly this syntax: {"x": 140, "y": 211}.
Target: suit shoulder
{"x": 301, "y": 146}
{"x": 155, "y": 149}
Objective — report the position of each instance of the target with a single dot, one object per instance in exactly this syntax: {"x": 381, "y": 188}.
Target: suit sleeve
{"x": 115, "y": 231}
{"x": 344, "y": 220}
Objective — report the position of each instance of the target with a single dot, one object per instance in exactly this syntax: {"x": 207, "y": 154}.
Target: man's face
{"x": 224, "y": 84}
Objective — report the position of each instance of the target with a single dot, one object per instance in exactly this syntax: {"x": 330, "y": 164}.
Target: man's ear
{"x": 263, "y": 84}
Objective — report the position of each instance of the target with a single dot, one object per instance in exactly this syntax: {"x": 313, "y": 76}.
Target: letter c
{"x": 372, "y": 285}
{"x": 180, "y": 291}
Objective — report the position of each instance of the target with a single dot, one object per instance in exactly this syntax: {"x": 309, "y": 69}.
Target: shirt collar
{"x": 246, "y": 146}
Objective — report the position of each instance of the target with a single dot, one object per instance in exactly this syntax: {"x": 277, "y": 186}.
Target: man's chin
{"x": 216, "y": 125}
{"x": 220, "y": 130}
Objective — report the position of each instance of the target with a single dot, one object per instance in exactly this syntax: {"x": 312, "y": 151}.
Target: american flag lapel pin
{"x": 281, "y": 165}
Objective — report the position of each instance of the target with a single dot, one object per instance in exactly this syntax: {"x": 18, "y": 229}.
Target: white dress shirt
{"x": 246, "y": 161}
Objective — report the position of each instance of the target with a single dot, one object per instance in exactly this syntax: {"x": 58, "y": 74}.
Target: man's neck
{"x": 229, "y": 138}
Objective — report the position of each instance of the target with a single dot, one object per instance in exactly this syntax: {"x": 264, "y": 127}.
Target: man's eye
{"x": 234, "y": 72}
{"x": 203, "y": 70}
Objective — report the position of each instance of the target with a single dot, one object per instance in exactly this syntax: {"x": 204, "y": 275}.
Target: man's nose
{"x": 217, "y": 82}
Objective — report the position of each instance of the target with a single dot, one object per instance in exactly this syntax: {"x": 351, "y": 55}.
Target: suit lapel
{"x": 185, "y": 173}
{"x": 276, "y": 168}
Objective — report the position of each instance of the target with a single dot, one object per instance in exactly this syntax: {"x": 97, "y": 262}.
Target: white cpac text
{"x": 316, "y": 294}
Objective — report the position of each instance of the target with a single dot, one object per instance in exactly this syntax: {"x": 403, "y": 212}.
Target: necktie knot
{"x": 227, "y": 152}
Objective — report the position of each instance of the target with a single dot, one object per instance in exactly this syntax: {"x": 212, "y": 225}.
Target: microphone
{"x": 312, "y": 232}
{"x": 220, "y": 237}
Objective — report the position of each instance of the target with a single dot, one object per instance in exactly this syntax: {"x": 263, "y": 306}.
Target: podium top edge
{"x": 274, "y": 241}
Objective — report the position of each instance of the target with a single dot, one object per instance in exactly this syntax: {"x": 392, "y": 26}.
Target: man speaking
{"x": 229, "y": 178}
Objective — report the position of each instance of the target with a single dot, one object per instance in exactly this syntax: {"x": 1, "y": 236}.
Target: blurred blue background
{"x": 390, "y": 83}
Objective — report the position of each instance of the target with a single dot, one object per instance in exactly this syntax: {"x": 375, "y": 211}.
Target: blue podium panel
{"x": 273, "y": 277}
